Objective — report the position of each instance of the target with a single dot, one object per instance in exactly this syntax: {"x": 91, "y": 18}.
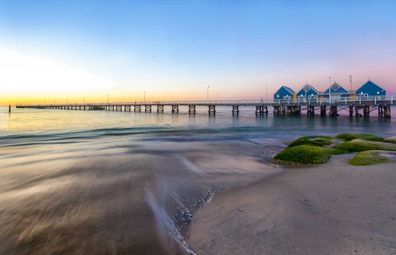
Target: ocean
{"x": 97, "y": 182}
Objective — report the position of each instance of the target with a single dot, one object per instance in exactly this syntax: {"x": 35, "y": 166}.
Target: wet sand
{"x": 330, "y": 209}
{"x": 133, "y": 200}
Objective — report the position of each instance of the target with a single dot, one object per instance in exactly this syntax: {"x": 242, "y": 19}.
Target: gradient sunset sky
{"x": 70, "y": 50}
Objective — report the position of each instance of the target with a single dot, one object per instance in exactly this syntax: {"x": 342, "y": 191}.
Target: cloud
{"x": 24, "y": 72}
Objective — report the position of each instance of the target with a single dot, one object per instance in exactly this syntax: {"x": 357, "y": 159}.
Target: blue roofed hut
{"x": 370, "y": 89}
{"x": 336, "y": 91}
{"x": 307, "y": 92}
{"x": 284, "y": 92}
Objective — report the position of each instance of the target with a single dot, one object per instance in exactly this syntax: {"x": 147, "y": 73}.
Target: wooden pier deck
{"x": 359, "y": 107}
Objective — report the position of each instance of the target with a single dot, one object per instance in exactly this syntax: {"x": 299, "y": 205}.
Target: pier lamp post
{"x": 207, "y": 93}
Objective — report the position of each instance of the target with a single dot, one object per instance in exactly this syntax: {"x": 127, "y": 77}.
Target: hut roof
{"x": 290, "y": 90}
{"x": 336, "y": 89}
{"x": 369, "y": 84}
{"x": 308, "y": 87}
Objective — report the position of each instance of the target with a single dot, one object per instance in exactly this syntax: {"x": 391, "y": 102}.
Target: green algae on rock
{"x": 358, "y": 145}
{"x": 305, "y": 154}
{"x": 319, "y": 149}
{"x": 352, "y": 136}
{"x": 366, "y": 158}
{"x": 312, "y": 140}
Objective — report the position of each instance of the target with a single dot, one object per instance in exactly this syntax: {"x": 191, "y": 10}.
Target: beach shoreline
{"x": 333, "y": 208}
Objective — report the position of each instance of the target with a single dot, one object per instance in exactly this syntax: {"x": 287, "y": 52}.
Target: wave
{"x": 147, "y": 133}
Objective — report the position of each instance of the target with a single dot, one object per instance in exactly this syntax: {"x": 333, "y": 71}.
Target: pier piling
{"x": 366, "y": 111}
{"x": 333, "y": 111}
{"x": 323, "y": 110}
{"x": 387, "y": 111}
{"x": 235, "y": 109}
{"x": 191, "y": 109}
{"x": 147, "y": 108}
{"x": 160, "y": 108}
{"x": 351, "y": 111}
{"x": 212, "y": 109}
{"x": 175, "y": 108}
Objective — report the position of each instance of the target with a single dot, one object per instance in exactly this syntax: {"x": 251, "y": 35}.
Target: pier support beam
{"x": 387, "y": 111}
{"x": 261, "y": 109}
{"x": 293, "y": 109}
{"x": 333, "y": 111}
{"x": 283, "y": 109}
{"x": 212, "y": 109}
{"x": 357, "y": 111}
{"x": 366, "y": 111}
{"x": 351, "y": 111}
{"x": 147, "y": 108}
{"x": 235, "y": 109}
{"x": 380, "y": 111}
{"x": 323, "y": 110}
{"x": 277, "y": 109}
{"x": 310, "y": 110}
{"x": 191, "y": 109}
{"x": 160, "y": 108}
{"x": 175, "y": 108}
{"x": 137, "y": 108}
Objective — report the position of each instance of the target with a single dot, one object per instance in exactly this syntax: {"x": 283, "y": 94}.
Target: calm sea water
{"x": 95, "y": 182}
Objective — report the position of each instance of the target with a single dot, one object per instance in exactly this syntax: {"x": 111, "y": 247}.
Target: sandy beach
{"x": 329, "y": 209}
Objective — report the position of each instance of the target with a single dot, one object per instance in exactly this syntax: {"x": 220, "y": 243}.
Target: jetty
{"x": 359, "y": 107}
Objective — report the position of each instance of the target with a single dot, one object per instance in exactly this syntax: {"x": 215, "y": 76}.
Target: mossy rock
{"x": 312, "y": 140}
{"x": 358, "y": 145}
{"x": 367, "y": 158}
{"x": 305, "y": 154}
{"x": 366, "y": 137}
{"x": 319, "y": 149}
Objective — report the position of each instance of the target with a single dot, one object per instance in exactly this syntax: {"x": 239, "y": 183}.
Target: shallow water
{"x": 93, "y": 182}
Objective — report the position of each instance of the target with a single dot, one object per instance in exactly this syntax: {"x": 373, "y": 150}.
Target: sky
{"x": 58, "y": 51}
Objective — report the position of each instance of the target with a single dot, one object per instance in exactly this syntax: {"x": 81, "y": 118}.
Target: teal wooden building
{"x": 370, "y": 89}
{"x": 336, "y": 91}
{"x": 307, "y": 92}
{"x": 284, "y": 92}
